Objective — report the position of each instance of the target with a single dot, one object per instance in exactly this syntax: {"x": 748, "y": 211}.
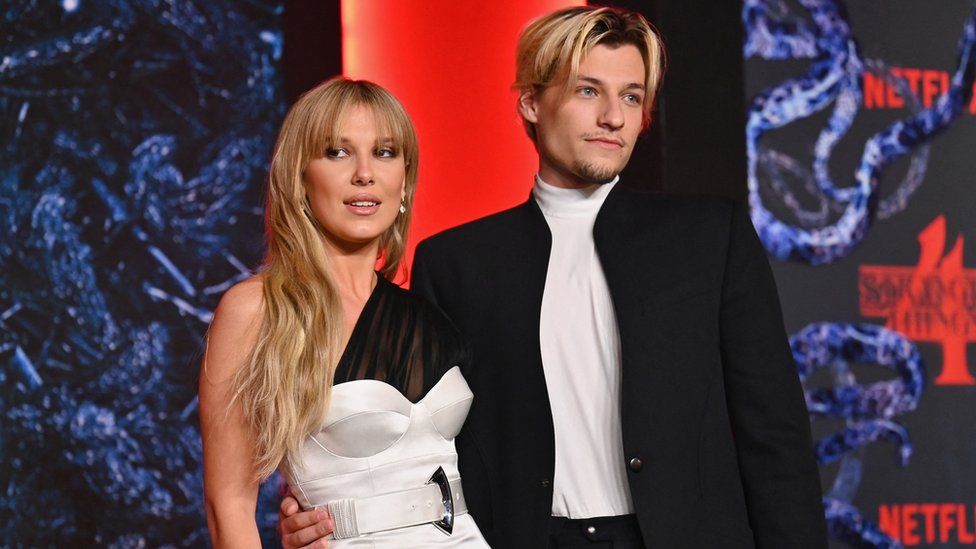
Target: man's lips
{"x": 606, "y": 142}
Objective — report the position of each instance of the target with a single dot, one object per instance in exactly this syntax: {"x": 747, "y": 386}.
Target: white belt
{"x": 436, "y": 503}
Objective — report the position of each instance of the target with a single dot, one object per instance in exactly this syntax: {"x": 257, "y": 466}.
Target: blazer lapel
{"x": 521, "y": 270}
{"x": 529, "y": 250}
{"x": 526, "y": 263}
{"x": 634, "y": 241}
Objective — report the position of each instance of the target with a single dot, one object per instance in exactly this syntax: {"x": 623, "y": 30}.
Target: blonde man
{"x": 634, "y": 387}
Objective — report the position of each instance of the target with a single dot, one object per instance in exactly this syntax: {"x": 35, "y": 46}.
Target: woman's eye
{"x": 588, "y": 92}
{"x": 633, "y": 98}
{"x": 336, "y": 153}
{"x": 386, "y": 152}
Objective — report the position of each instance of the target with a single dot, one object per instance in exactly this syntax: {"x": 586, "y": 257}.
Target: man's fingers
{"x": 302, "y": 520}
{"x": 289, "y": 506}
{"x": 308, "y": 536}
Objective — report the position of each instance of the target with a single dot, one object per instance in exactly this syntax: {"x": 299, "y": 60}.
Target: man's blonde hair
{"x": 551, "y": 47}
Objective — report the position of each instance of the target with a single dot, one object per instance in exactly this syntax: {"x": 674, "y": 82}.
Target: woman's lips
{"x": 363, "y": 207}
{"x": 363, "y": 204}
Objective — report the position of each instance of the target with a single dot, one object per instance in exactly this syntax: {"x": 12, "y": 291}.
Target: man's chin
{"x": 597, "y": 173}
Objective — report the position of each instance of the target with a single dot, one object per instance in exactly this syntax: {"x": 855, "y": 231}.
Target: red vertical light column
{"x": 452, "y": 65}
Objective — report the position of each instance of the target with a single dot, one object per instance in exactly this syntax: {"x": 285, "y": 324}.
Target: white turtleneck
{"x": 580, "y": 347}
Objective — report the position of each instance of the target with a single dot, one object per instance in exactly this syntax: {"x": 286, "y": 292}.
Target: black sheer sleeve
{"x": 403, "y": 340}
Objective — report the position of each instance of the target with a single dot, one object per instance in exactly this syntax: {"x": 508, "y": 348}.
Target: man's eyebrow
{"x": 598, "y": 82}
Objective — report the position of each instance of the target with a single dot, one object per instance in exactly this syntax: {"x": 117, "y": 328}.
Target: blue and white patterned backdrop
{"x": 134, "y": 141}
{"x": 845, "y": 181}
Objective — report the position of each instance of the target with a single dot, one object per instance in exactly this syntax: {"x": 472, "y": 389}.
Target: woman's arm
{"x": 229, "y": 483}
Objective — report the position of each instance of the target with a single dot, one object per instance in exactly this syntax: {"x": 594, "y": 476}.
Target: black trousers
{"x": 621, "y": 532}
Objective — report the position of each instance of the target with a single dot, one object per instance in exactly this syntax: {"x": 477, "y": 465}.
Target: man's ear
{"x": 528, "y": 106}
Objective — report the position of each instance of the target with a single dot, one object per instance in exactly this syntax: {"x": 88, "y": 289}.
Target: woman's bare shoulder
{"x": 234, "y": 330}
{"x": 243, "y": 301}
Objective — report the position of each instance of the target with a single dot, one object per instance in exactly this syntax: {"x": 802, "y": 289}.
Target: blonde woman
{"x": 319, "y": 365}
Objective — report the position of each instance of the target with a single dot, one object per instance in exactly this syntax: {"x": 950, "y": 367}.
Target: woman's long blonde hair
{"x": 285, "y": 386}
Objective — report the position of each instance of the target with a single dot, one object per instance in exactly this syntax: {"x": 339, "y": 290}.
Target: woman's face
{"x": 356, "y": 187}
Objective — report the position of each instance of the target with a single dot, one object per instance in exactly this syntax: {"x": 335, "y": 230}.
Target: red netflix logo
{"x": 935, "y": 301}
{"x": 926, "y": 84}
{"x": 916, "y": 523}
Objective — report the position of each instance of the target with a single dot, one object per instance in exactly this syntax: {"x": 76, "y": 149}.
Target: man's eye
{"x": 587, "y": 92}
{"x": 633, "y": 98}
{"x": 336, "y": 153}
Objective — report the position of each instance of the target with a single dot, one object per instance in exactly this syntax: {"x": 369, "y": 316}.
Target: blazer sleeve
{"x": 765, "y": 400}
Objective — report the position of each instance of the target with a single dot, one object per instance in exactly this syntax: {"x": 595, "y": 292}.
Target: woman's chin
{"x": 354, "y": 240}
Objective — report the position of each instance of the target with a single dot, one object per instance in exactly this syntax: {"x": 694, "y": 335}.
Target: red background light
{"x": 452, "y": 65}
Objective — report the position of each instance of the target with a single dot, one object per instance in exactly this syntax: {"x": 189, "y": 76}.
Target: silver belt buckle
{"x": 446, "y": 522}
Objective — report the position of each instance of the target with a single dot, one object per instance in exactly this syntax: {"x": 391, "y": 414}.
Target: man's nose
{"x": 612, "y": 115}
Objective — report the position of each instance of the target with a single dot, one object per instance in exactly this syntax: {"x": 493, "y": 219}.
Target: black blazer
{"x": 715, "y": 430}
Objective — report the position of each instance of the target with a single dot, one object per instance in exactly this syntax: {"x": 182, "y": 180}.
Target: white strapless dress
{"x": 375, "y": 442}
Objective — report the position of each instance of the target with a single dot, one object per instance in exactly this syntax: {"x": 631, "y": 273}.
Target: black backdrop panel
{"x": 313, "y": 44}
{"x": 695, "y": 144}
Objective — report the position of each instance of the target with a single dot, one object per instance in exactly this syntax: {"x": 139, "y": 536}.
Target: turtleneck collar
{"x": 561, "y": 202}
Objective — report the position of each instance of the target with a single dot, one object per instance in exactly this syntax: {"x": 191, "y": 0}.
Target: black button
{"x": 636, "y": 465}
{"x": 545, "y": 483}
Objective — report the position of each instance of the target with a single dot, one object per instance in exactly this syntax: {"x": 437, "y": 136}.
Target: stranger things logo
{"x": 931, "y": 302}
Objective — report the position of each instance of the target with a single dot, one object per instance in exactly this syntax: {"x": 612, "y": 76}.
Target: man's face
{"x": 587, "y": 137}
